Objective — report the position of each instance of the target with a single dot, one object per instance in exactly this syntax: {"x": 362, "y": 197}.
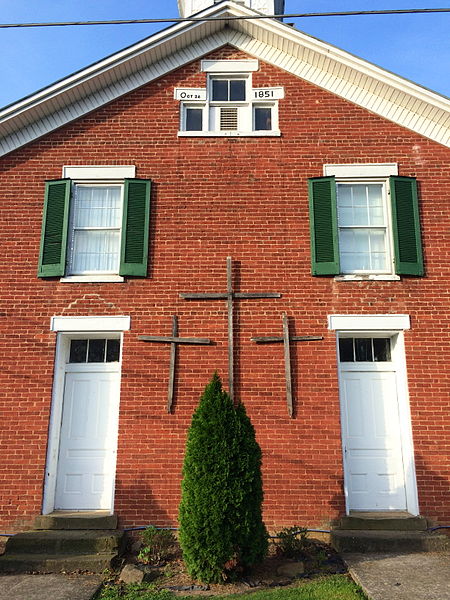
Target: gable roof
{"x": 322, "y": 64}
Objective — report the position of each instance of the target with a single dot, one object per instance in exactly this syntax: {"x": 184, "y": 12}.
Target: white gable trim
{"x": 330, "y": 68}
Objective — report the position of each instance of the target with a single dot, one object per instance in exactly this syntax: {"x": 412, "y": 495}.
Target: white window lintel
{"x": 89, "y": 172}
{"x": 365, "y": 170}
{"x": 101, "y": 323}
{"x": 368, "y": 322}
{"x": 230, "y": 66}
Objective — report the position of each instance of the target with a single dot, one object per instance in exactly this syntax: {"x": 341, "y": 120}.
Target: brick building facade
{"x": 216, "y": 193}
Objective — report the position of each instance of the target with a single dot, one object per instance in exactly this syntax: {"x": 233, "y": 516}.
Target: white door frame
{"x": 389, "y": 326}
{"x": 68, "y": 328}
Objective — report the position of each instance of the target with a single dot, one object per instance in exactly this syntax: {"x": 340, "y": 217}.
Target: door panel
{"x": 86, "y": 463}
{"x": 373, "y": 458}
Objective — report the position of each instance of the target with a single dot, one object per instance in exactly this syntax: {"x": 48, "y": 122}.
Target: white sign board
{"x": 272, "y": 93}
{"x": 190, "y": 94}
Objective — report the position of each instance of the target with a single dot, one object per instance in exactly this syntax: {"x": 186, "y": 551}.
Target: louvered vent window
{"x": 228, "y": 118}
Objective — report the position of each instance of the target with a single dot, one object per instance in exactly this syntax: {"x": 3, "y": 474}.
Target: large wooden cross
{"x": 230, "y": 295}
{"x": 286, "y": 338}
{"x": 173, "y": 340}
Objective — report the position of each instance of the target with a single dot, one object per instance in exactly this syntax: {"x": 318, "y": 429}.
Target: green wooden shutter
{"x": 406, "y": 226}
{"x": 135, "y": 226}
{"x": 52, "y": 254}
{"x": 323, "y": 225}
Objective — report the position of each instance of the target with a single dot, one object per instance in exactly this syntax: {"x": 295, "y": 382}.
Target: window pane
{"x": 375, "y": 201}
{"x": 360, "y": 213}
{"x": 263, "y": 119}
{"x": 194, "y": 119}
{"x": 378, "y": 254}
{"x": 96, "y": 351}
{"x": 363, "y": 349}
{"x": 360, "y": 205}
{"x": 95, "y": 251}
{"x": 78, "y": 350}
{"x": 237, "y": 90}
{"x": 354, "y": 250}
{"x": 97, "y": 207}
{"x": 112, "y": 350}
{"x": 346, "y": 350}
{"x": 381, "y": 349}
{"x": 350, "y": 210}
{"x": 219, "y": 89}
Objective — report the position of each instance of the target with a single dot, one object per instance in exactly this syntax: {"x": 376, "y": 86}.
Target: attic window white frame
{"x": 229, "y": 69}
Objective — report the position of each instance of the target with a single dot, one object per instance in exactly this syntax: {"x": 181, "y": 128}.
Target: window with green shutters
{"x": 365, "y": 227}
{"x": 95, "y": 229}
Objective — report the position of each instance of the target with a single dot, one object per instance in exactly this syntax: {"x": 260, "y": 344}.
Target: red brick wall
{"x": 213, "y": 198}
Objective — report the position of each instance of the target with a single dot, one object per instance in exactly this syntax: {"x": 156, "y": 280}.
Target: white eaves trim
{"x": 368, "y": 322}
{"x": 362, "y": 83}
{"x": 87, "y": 324}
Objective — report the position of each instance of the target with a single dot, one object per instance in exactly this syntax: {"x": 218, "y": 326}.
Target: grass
{"x": 334, "y": 587}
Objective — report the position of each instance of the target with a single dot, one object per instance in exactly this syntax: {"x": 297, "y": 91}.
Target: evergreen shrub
{"x": 157, "y": 545}
{"x": 221, "y": 527}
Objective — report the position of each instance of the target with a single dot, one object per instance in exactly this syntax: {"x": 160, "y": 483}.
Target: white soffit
{"x": 330, "y": 68}
{"x": 368, "y": 322}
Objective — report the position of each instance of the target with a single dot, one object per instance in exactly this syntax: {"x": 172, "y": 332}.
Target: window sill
{"x": 92, "y": 279}
{"x": 368, "y": 277}
{"x": 272, "y": 133}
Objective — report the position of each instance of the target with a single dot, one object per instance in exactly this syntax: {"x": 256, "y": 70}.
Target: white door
{"x": 373, "y": 456}
{"x": 88, "y": 440}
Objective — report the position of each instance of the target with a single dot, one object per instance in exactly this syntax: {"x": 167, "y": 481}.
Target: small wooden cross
{"x": 173, "y": 340}
{"x": 286, "y": 339}
{"x": 230, "y": 296}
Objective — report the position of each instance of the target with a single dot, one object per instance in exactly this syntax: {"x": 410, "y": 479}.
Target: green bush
{"x": 157, "y": 545}
{"x": 221, "y": 528}
{"x": 292, "y": 542}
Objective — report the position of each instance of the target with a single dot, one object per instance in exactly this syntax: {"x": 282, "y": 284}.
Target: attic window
{"x": 228, "y": 105}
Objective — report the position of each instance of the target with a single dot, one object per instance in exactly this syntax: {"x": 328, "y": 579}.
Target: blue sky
{"x": 414, "y": 46}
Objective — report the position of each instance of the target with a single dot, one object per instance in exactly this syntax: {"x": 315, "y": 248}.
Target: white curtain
{"x": 96, "y": 219}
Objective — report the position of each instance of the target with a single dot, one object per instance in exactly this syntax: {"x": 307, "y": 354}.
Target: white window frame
{"x": 367, "y": 173}
{"x": 71, "y": 255}
{"x": 93, "y": 175}
{"x": 185, "y": 106}
{"x": 387, "y": 227}
{"x": 274, "y": 115}
{"x": 229, "y": 69}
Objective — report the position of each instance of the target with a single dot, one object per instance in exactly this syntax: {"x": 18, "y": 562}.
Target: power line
{"x": 353, "y": 13}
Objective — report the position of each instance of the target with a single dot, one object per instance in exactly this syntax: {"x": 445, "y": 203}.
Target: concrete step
{"x": 384, "y": 521}
{"x": 48, "y": 563}
{"x": 66, "y": 542}
{"x": 352, "y": 540}
{"x": 76, "y": 520}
